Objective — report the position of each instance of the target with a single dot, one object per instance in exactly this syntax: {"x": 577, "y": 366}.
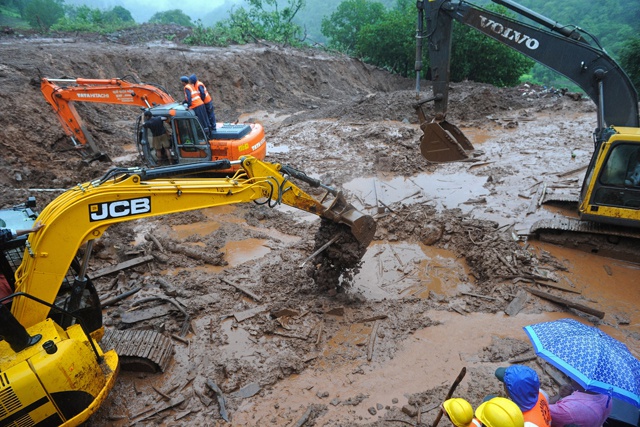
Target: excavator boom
{"x": 83, "y": 213}
{"x": 107, "y": 91}
{"x": 563, "y": 49}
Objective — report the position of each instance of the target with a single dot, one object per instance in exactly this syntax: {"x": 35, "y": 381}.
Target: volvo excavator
{"x": 53, "y": 370}
{"x": 609, "y": 200}
{"x": 189, "y": 143}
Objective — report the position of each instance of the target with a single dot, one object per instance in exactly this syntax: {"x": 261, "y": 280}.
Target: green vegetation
{"x": 175, "y": 16}
{"x": 630, "y": 60}
{"x": 84, "y": 18}
{"x": 42, "y": 14}
{"x": 265, "y": 20}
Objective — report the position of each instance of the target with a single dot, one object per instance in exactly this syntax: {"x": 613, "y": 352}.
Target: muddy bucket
{"x": 363, "y": 227}
{"x": 443, "y": 142}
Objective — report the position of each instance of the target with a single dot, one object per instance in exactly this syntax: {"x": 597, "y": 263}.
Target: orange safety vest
{"x": 475, "y": 423}
{"x": 196, "y": 101}
{"x": 539, "y": 415}
{"x": 207, "y": 97}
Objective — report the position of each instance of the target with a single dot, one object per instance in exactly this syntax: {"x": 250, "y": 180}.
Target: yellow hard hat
{"x": 459, "y": 410}
{"x": 500, "y": 412}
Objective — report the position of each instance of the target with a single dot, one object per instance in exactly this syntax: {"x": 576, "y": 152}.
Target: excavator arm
{"x": 82, "y": 214}
{"x": 566, "y": 50}
{"x": 104, "y": 91}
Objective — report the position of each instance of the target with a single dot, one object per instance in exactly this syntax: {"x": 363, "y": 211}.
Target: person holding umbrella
{"x": 523, "y": 387}
{"x": 575, "y": 406}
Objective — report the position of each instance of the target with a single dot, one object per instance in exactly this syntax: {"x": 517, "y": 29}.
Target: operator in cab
{"x": 160, "y": 138}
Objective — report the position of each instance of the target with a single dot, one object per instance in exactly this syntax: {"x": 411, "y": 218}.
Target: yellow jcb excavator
{"x": 609, "y": 201}
{"x": 52, "y": 368}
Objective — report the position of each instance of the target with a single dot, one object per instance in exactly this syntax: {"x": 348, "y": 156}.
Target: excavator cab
{"x": 188, "y": 141}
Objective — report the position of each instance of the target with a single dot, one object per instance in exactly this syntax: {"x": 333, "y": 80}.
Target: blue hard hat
{"x": 523, "y": 385}
{"x": 193, "y": 79}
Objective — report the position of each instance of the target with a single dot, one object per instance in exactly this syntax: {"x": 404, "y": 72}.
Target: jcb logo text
{"x": 120, "y": 208}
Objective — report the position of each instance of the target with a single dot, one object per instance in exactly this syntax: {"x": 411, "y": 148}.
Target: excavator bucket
{"x": 443, "y": 142}
{"x": 363, "y": 227}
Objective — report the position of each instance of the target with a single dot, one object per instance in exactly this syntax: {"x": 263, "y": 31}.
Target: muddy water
{"x": 432, "y": 356}
{"x": 399, "y": 270}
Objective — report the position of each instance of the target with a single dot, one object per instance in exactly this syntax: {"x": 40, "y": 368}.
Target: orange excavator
{"x": 189, "y": 143}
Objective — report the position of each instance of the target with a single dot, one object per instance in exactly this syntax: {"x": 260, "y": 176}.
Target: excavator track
{"x": 139, "y": 350}
{"x": 602, "y": 239}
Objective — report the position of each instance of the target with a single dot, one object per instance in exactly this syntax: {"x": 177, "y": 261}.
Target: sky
{"x": 142, "y": 10}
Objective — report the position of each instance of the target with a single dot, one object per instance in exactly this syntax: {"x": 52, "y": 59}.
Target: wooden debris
{"x": 203, "y": 398}
{"x": 305, "y": 417}
{"x": 120, "y": 297}
{"x": 336, "y": 311}
{"x": 194, "y": 253}
{"x": 247, "y": 314}
{"x": 164, "y": 396}
{"x": 322, "y": 248}
{"x": 372, "y": 318}
{"x": 242, "y": 289}
{"x": 608, "y": 270}
{"x": 572, "y": 171}
{"x": 372, "y": 340}
{"x": 505, "y": 262}
{"x": 285, "y": 312}
{"x": 517, "y": 303}
{"x": 320, "y": 328}
{"x": 560, "y": 288}
{"x": 163, "y": 407}
{"x": 179, "y": 338}
{"x": 122, "y": 266}
{"x": 186, "y": 324}
{"x": 129, "y": 317}
{"x": 223, "y": 410}
{"x": 567, "y": 303}
{"x": 152, "y": 238}
{"x": 479, "y": 296}
{"x": 522, "y": 359}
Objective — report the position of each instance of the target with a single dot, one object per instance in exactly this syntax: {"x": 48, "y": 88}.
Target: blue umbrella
{"x": 596, "y": 361}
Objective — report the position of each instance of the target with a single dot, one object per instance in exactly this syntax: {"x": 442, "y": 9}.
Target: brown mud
{"x": 425, "y": 299}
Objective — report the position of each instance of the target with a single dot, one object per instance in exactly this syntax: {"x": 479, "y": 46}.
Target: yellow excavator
{"x": 609, "y": 201}
{"x": 53, "y": 370}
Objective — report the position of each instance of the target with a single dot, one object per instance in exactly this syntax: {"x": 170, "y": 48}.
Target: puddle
{"x": 391, "y": 271}
{"x": 446, "y": 191}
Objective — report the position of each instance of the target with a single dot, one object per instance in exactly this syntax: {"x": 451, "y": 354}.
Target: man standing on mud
{"x": 194, "y": 102}
{"x": 206, "y": 98}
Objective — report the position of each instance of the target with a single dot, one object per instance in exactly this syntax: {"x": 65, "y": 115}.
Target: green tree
{"x": 343, "y": 26}
{"x": 85, "y": 18}
{"x": 389, "y": 42}
{"x": 630, "y": 60}
{"x": 175, "y": 16}
{"x": 42, "y": 14}
{"x": 119, "y": 13}
{"x": 266, "y": 20}
{"x": 477, "y": 57}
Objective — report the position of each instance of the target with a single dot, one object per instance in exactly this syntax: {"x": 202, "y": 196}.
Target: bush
{"x": 42, "y": 14}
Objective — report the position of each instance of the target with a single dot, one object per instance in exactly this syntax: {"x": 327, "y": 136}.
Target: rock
{"x": 372, "y": 410}
{"x": 410, "y": 410}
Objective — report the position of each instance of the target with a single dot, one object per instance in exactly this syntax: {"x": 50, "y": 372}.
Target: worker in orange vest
{"x": 206, "y": 98}
{"x": 523, "y": 387}
{"x": 193, "y": 101}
